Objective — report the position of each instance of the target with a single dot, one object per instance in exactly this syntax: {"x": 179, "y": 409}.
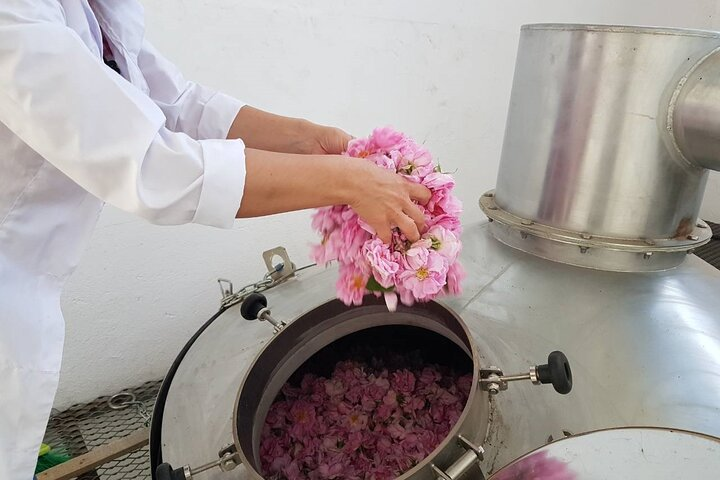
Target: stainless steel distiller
{"x": 611, "y": 133}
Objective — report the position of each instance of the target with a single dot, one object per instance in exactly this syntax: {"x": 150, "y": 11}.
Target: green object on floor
{"x": 48, "y": 459}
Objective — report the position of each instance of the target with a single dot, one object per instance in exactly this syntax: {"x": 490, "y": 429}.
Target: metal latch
{"x": 557, "y": 372}
{"x": 275, "y": 275}
{"x": 473, "y": 456}
{"x": 255, "y": 307}
{"x": 228, "y": 460}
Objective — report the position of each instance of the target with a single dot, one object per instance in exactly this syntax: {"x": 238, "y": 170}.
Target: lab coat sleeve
{"x": 107, "y": 135}
{"x": 189, "y": 107}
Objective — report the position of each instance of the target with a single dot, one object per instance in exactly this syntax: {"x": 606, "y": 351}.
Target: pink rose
{"x": 446, "y": 221}
{"x": 351, "y": 285}
{"x": 382, "y": 160}
{"x": 429, "y": 375}
{"x": 385, "y": 139}
{"x": 424, "y": 273}
{"x": 444, "y": 241}
{"x": 455, "y": 276}
{"x": 358, "y": 148}
{"x": 403, "y": 381}
{"x": 334, "y": 387}
{"x": 383, "y": 262}
{"x": 414, "y": 161}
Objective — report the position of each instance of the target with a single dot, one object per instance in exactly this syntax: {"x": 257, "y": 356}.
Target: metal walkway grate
{"x": 711, "y": 252}
{"x": 81, "y": 428}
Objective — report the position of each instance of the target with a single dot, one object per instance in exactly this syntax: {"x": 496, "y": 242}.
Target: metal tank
{"x": 608, "y": 141}
{"x": 587, "y": 251}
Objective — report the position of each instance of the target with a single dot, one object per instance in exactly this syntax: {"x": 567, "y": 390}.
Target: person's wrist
{"x": 353, "y": 172}
{"x": 305, "y": 135}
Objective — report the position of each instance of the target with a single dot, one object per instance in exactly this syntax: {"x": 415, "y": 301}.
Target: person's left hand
{"x": 327, "y": 141}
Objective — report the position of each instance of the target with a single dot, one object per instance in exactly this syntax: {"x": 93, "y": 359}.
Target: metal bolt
{"x": 649, "y": 242}
{"x": 492, "y": 207}
{"x": 489, "y": 194}
{"x": 584, "y": 249}
{"x": 692, "y": 237}
{"x": 585, "y": 236}
{"x": 490, "y": 220}
{"x": 647, "y": 255}
{"x": 701, "y": 225}
{"x": 523, "y": 235}
{"x": 527, "y": 222}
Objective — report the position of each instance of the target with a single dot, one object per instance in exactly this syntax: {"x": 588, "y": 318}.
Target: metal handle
{"x": 472, "y": 457}
{"x": 229, "y": 459}
{"x": 557, "y": 372}
{"x": 254, "y": 307}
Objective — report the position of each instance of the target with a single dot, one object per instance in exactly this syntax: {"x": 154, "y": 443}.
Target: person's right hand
{"x": 384, "y": 200}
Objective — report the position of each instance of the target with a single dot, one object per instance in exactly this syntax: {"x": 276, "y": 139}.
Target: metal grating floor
{"x": 81, "y": 428}
{"x": 711, "y": 252}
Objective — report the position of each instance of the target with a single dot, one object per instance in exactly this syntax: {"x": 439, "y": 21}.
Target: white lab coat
{"x": 75, "y": 134}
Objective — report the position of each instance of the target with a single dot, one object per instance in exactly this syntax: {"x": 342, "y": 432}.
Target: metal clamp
{"x": 275, "y": 275}
{"x": 557, "y": 372}
{"x": 281, "y": 271}
{"x": 228, "y": 460}
{"x": 255, "y": 307}
{"x": 472, "y": 457}
{"x": 494, "y": 381}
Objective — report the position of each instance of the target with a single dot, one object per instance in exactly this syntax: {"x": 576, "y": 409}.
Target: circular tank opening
{"x": 341, "y": 387}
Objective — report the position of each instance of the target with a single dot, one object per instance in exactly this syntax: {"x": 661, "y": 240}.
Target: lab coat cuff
{"x": 223, "y": 182}
{"x": 218, "y": 116}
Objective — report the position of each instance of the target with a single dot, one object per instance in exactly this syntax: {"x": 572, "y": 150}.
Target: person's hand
{"x": 385, "y": 200}
{"x": 325, "y": 141}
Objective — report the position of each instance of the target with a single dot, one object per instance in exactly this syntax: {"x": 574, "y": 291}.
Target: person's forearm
{"x": 266, "y": 131}
{"x": 281, "y": 182}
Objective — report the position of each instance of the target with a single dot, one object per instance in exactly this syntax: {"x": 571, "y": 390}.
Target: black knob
{"x": 557, "y": 371}
{"x": 252, "y": 305}
{"x": 165, "y": 472}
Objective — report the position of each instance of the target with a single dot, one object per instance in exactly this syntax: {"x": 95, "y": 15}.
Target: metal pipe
{"x": 694, "y": 114}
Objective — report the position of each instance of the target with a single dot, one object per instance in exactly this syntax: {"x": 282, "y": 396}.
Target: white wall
{"x": 440, "y": 71}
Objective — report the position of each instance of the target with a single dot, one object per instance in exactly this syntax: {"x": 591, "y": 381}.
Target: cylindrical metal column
{"x": 589, "y": 174}
{"x": 694, "y": 117}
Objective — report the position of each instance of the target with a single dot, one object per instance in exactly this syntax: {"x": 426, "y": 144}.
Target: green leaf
{"x": 374, "y": 286}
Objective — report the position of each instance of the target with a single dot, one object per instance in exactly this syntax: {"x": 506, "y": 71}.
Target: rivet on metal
{"x": 489, "y": 194}
{"x": 692, "y": 237}
{"x": 647, "y": 255}
{"x": 584, "y": 249}
{"x": 527, "y": 222}
{"x": 490, "y": 220}
{"x": 523, "y": 235}
{"x": 585, "y": 236}
{"x": 492, "y": 207}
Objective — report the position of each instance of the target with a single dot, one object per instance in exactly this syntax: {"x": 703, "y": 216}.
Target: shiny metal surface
{"x": 586, "y": 146}
{"x": 592, "y": 251}
{"x": 644, "y": 348}
{"x": 627, "y": 453}
{"x": 693, "y": 119}
{"x": 304, "y": 337}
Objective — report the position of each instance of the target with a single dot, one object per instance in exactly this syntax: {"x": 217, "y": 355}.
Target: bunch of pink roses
{"x": 416, "y": 272}
{"x": 366, "y": 421}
